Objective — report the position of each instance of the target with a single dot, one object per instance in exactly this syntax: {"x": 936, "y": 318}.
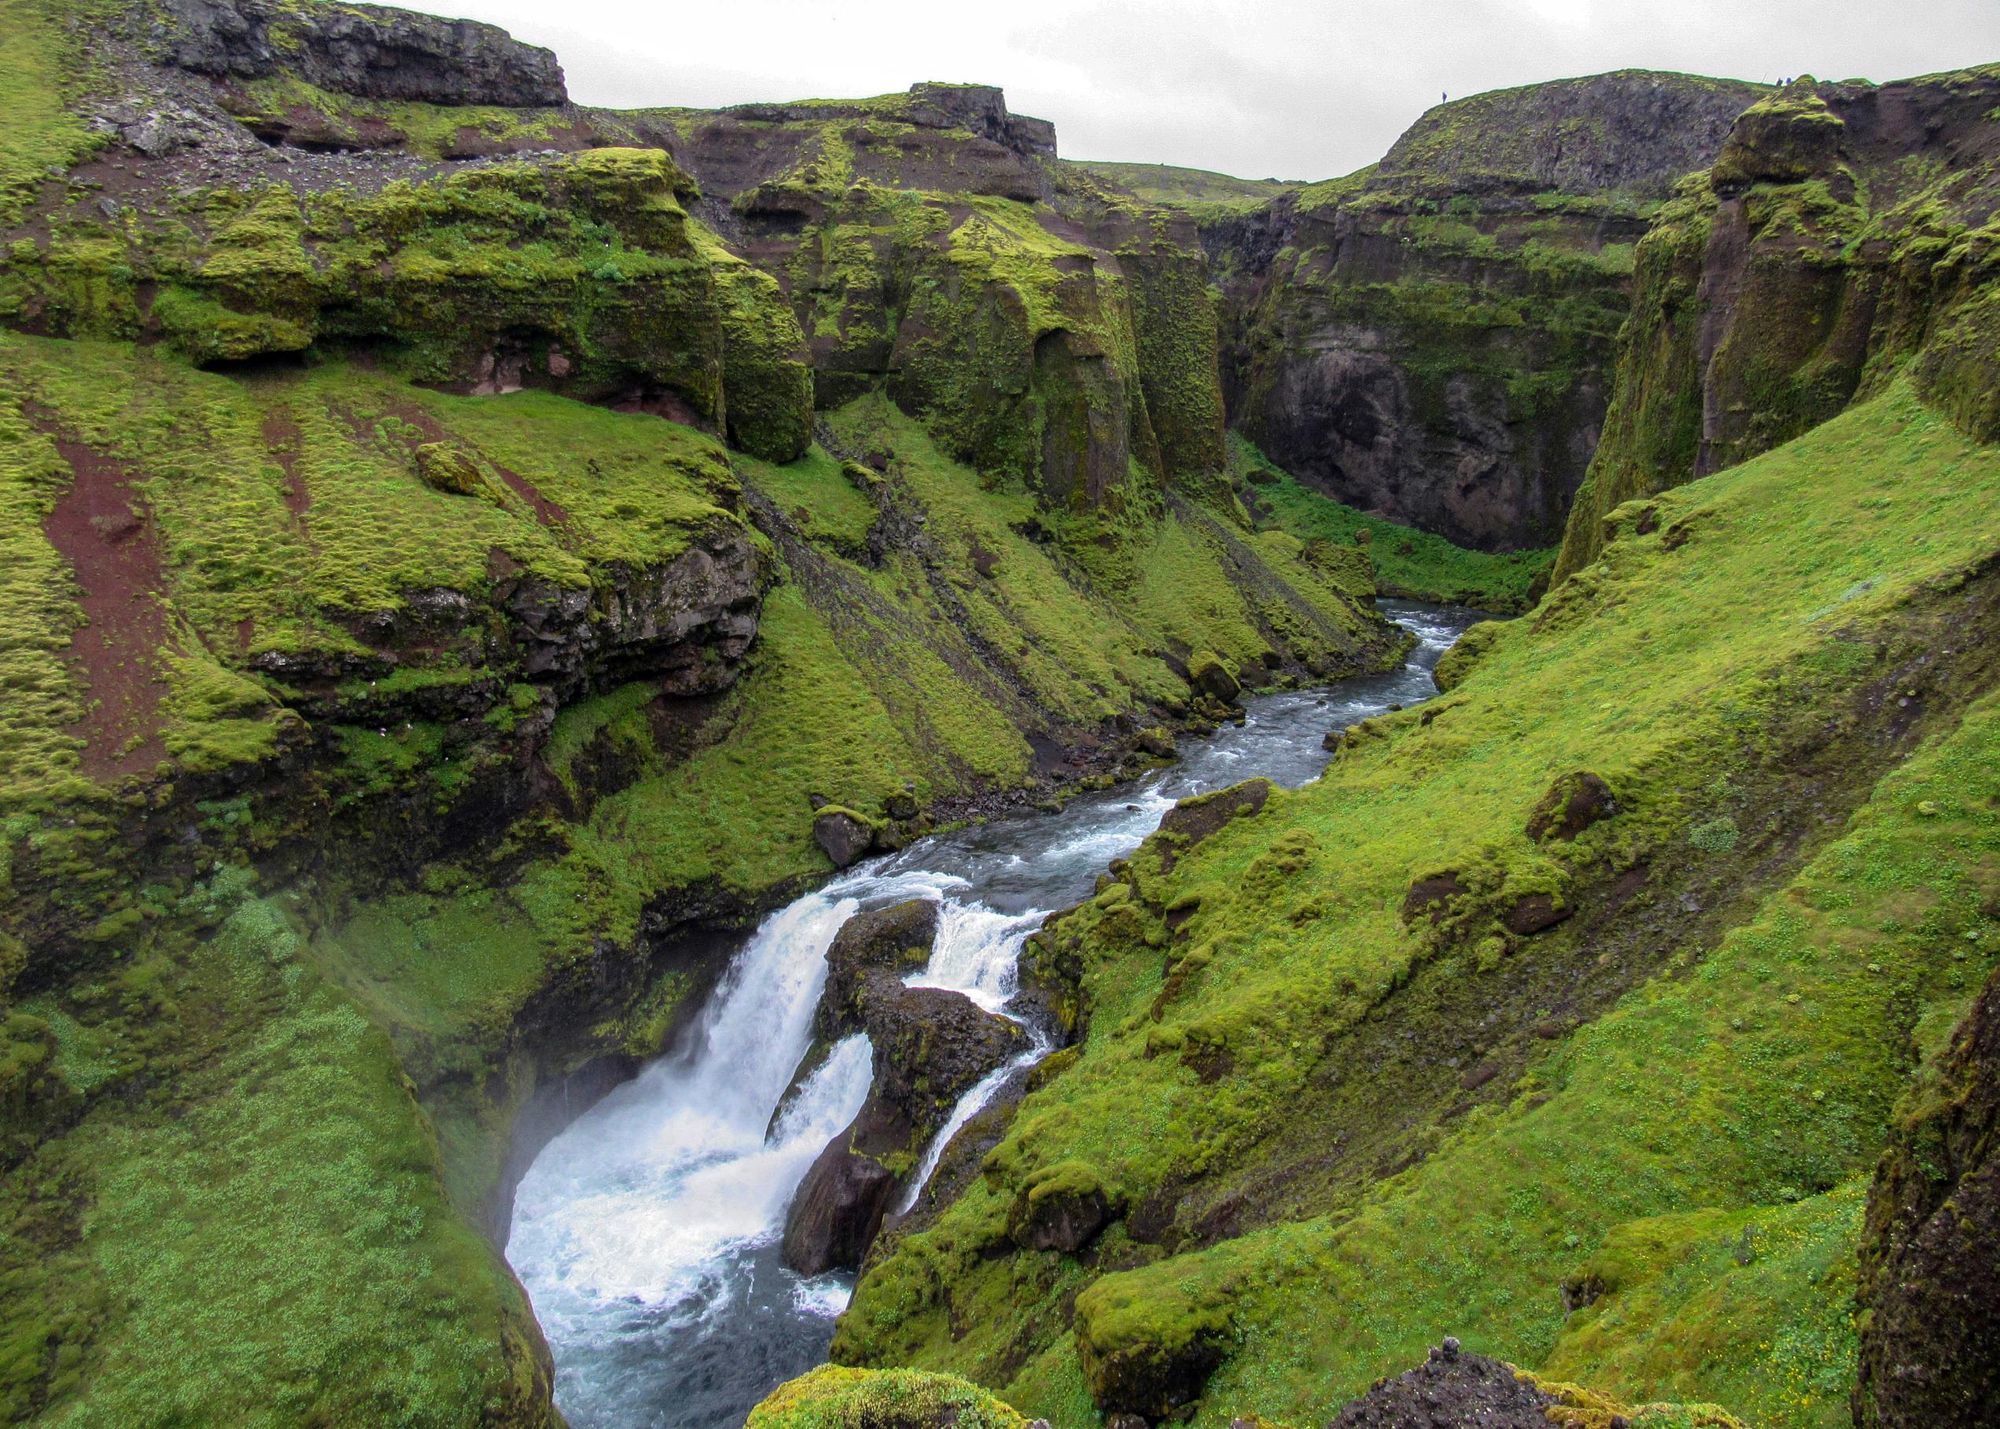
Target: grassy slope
{"x": 1174, "y": 187}
{"x": 1407, "y": 562}
{"x": 253, "y": 1231}
{"x": 1751, "y": 1084}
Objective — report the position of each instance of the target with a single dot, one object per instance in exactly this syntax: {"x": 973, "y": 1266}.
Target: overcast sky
{"x": 1286, "y": 88}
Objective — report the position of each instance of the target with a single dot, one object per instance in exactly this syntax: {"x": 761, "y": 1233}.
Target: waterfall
{"x": 648, "y": 1232}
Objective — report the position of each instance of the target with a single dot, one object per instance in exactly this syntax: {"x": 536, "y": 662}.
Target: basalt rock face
{"x": 1930, "y": 1254}
{"x": 1432, "y": 339}
{"x": 930, "y": 1047}
{"x": 362, "y": 50}
{"x": 1843, "y": 228}
{"x": 1057, "y": 343}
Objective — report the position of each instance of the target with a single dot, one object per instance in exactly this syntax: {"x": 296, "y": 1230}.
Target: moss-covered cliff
{"x": 1431, "y": 339}
{"x": 1845, "y": 231}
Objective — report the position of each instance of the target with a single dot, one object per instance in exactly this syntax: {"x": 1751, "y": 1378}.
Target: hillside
{"x": 470, "y": 556}
{"x": 1199, "y": 189}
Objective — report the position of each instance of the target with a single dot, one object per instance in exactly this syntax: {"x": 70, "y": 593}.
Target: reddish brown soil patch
{"x": 281, "y": 439}
{"x": 115, "y": 553}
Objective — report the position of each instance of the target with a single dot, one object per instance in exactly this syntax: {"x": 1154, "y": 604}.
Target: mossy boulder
{"x": 1062, "y": 1207}
{"x": 1573, "y": 803}
{"x": 1149, "y": 1339}
{"x": 833, "y": 1397}
{"x": 1210, "y": 676}
{"x": 1201, "y": 815}
{"x": 450, "y": 469}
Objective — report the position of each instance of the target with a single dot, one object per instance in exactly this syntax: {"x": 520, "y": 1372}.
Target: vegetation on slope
{"x": 1406, "y": 562}
{"x": 1200, "y": 191}
{"x": 1749, "y": 657}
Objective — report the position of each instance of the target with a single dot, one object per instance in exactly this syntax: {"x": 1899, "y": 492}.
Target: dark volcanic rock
{"x": 362, "y": 50}
{"x": 837, "y": 1210}
{"x": 931, "y": 1047}
{"x": 1450, "y": 1390}
{"x": 1930, "y": 1254}
{"x": 842, "y": 835}
{"x": 896, "y": 939}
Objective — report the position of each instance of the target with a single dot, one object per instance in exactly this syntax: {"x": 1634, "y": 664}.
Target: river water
{"x": 647, "y": 1232}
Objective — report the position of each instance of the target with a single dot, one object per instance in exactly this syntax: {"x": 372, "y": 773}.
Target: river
{"x": 647, "y": 1231}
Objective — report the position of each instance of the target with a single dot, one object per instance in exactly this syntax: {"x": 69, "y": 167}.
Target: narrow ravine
{"x": 647, "y": 1232}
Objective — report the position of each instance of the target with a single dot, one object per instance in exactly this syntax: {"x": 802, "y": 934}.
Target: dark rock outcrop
{"x": 837, "y": 1210}
{"x": 842, "y": 835}
{"x": 1431, "y": 341}
{"x": 363, "y": 50}
{"x": 895, "y": 939}
{"x": 1450, "y": 1389}
{"x": 930, "y": 1046}
{"x": 1930, "y": 1253}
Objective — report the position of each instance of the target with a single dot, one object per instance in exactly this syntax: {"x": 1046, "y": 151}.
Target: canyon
{"x": 485, "y": 576}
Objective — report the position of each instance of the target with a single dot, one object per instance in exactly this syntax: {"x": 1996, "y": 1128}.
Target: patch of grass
{"x": 1406, "y": 562}
{"x": 43, "y": 68}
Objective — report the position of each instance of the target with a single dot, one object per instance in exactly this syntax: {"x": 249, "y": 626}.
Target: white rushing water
{"x": 647, "y": 1232}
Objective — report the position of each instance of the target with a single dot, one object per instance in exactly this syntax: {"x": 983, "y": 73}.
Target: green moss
{"x": 43, "y": 69}
{"x": 834, "y": 1398}
{"x": 1403, "y": 561}
{"x": 281, "y": 1169}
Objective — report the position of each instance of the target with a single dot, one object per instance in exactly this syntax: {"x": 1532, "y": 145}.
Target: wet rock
{"x": 1572, "y": 804}
{"x": 896, "y": 939}
{"x": 931, "y": 1046}
{"x": 842, "y": 835}
{"x": 1930, "y": 1250}
{"x": 837, "y": 1210}
{"x": 1062, "y": 1207}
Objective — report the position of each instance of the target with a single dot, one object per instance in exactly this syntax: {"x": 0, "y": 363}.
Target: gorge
{"x": 644, "y": 748}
